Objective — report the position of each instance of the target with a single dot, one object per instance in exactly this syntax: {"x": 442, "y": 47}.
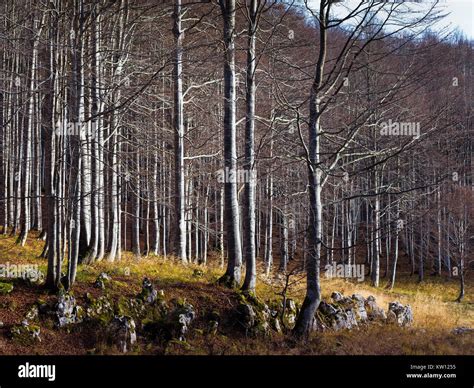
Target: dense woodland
{"x": 269, "y": 137}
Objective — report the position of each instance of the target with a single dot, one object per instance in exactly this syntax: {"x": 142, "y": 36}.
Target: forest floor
{"x": 435, "y": 312}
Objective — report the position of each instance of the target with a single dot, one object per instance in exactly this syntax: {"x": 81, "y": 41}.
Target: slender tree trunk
{"x": 28, "y": 139}
{"x": 75, "y": 149}
{"x": 232, "y": 275}
{"x": 179, "y": 195}
{"x": 249, "y": 189}
{"x": 51, "y": 174}
{"x": 304, "y": 322}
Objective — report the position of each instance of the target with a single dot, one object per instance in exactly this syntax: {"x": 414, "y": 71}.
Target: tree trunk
{"x": 249, "y": 189}
{"x": 232, "y": 275}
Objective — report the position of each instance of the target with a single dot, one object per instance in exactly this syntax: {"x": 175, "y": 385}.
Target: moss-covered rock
{"x": 102, "y": 280}
{"x": 66, "y": 309}
{"x": 180, "y": 318}
{"x": 170, "y": 323}
{"x": 26, "y": 333}
{"x": 246, "y": 316}
{"x": 43, "y": 306}
{"x": 399, "y": 314}
{"x": 198, "y": 273}
{"x": 5, "y": 288}
{"x": 130, "y": 307}
{"x": 289, "y": 314}
{"x": 122, "y": 332}
{"x": 32, "y": 314}
{"x": 212, "y": 327}
{"x": 355, "y": 312}
{"x": 228, "y": 282}
{"x": 100, "y": 309}
{"x": 253, "y": 315}
{"x": 334, "y": 316}
{"x": 374, "y": 312}
{"x": 148, "y": 293}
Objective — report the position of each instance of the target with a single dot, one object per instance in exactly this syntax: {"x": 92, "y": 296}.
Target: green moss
{"x": 227, "y": 281}
{"x": 134, "y": 308}
{"x": 5, "y": 288}
{"x": 100, "y": 309}
{"x": 32, "y": 315}
{"x": 25, "y": 334}
{"x": 177, "y": 346}
{"x": 198, "y": 273}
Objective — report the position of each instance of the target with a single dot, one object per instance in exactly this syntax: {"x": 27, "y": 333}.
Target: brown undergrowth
{"x": 436, "y": 315}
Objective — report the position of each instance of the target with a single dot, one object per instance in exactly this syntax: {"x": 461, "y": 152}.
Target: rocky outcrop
{"x": 289, "y": 314}
{"x": 148, "y": 293}
{"x": 246, "y": 316}
{"x": 180, "y": 320}
{"x": 32, "y": 314}
{"x": 164, "y": 323}
{"x": 102, "y": 280}
{"x": 122, "y": 331}
{"x": 335, "y": 316}
{"x": 100, "y": 309}
{"x": 399, "y": 314}
{"x": 66, "y": 310}
{"x": 214, "y": 319}
{"x": 256, "y": 317}
{"x": 360, "y": 308}
{"x": 26, "y": 333}
{"x": 374, "y": 312}
{"x": 347, "y": 313}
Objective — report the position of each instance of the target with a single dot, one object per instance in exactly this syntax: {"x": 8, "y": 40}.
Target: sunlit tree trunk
{"x": 231, "y": 206}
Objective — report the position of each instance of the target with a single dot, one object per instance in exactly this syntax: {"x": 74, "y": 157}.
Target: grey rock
{"x": 276, "y": 325}
{"x": 100, "y": 309}
{"x": 346, "y": 313}
{"x": 212, "y": 327}
{"x": 399, "y": 314}
{"x": 148, "y": 293}
{"x": 66, "y": 310}
{"x": 374, "y": 312}
{"x": 359, "y": 308}
{"x": 32, "y": 314}
{"x": 335, "y": 317}
{"x": 26, "y": 333}
{"x": 183, "y": 315}
{"x": 327, "y": 309}
{"x": 463, "y": 330}
{"x": 246, "y": 316}
{"x": 289, "y": 318}
{"x": 102, "y": 280}
{"x": 344, "y": 320}
{"x": 336, "y": 296}
{"x": 291, "y": 305}
{"x": 123, "y": 331}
